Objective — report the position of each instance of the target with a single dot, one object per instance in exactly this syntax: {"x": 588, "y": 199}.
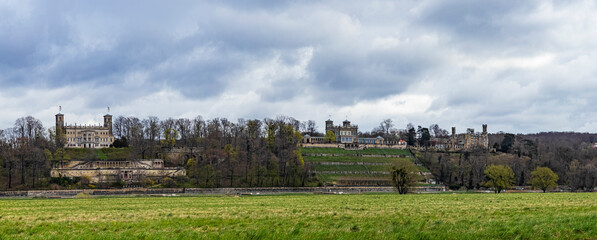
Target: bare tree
{"x": 183, "y": 126}
{"x": 152, "y": 128}
{"x": 437, "y": 131}
{"x": 119, "y": 127}
{"x": 311, "y": 127}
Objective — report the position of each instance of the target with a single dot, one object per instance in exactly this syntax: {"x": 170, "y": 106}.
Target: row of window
{"x": 347, "y": 133}
{"x": 97, "y": 139}
{"x": 87, "y": 145}
{"x": 98, "y": 133}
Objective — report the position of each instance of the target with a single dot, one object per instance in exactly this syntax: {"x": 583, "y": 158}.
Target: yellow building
{"x": 84, "y": 136}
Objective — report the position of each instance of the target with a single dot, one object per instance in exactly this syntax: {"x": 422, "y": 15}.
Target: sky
{"x": 518, "y": 66}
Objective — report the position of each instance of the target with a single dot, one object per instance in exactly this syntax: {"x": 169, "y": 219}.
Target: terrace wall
{"x": 322, "y": 145}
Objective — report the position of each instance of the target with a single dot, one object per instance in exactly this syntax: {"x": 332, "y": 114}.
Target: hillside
{"x": 103, "y": 154}
{"x": 367, "y": 167}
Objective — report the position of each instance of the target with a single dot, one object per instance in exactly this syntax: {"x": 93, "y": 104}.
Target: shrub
{"x": 147, "y": 182}
{"x": 168, "y": 182}
{"x": 85, "y": 181}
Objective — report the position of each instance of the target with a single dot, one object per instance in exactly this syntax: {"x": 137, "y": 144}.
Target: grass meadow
{"x": 305, "y": 216}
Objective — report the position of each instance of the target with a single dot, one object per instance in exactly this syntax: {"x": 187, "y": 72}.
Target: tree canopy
{"x": 500, "y": 177}
{"x": 329, "y": 137}
{"x": 543, "y": 178}
{"x": 404, "y": 175}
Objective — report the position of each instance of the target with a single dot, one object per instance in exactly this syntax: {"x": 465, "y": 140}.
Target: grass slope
{"x": 368, "y": 151}
{"x": 308, "y": 150}
{"x": 376, "y": 216}
{"x": 380, "y": 151}
{"x": 348, "y": 159}
{"x": 350, "y": 156}
{"x": 103, "y": 154}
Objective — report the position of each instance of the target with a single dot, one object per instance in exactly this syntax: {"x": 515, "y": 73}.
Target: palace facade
{"x": 347, "y": 135}
{"x": 86, "y": 136}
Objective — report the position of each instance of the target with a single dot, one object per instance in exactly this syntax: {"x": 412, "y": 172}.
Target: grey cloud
{"x": 346, "y": 77}
{"x": 198, "y": 49}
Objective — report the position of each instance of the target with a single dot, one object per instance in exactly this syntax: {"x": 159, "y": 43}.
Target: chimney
{"x": 453, "y": 131}
{"x": 484, "y": 128}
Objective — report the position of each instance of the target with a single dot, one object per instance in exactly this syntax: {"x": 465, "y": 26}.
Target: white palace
{"x": 86, "y": 136}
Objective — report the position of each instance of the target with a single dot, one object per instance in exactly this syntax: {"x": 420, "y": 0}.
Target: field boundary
{"x": 208, "y": 191}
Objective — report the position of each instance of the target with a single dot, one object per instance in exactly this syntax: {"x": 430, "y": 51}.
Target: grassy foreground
{"x": 374, "y": 216}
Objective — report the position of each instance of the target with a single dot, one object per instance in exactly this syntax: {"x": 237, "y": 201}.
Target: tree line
{"x": 571, "y": 156}
{"x": 215, "y": 152}
{"x": 221, "y": 153}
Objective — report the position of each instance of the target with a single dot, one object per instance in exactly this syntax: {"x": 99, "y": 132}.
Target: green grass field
{"x": 340, "y": 168}
{"x": 367, "y": 216}
{"x": 379, "y": 151}
{"x": 349, "y": 159}
{"x": 377, "y": 168}
{"x": 308, "y": 150}
{"x": 334, "y": 177}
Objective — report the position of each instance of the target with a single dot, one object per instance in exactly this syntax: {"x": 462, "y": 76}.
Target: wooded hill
{"x": 251, "y": 153}
{"x": 248, "y": 153}
{"x": 570, "y": 155}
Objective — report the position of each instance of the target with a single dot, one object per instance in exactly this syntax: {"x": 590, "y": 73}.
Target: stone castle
{"x": 106, "y": 171}
{"x": 463, "y": 141}
{"x": 84, "y": 136}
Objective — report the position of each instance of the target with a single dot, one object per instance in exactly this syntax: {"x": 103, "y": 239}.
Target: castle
{"x": 347, "y": 135}
{"x": 469, "y": 140}
{"x": 106, "y": 171}
{"x": 464, "y": 141}
{"x": 83, "y": 136}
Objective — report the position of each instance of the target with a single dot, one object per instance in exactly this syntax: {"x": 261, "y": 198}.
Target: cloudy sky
{"x": 519, "y": 66}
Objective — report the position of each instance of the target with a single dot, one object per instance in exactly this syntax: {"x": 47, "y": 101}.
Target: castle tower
{"x": 59, "y": 121}
{"x": 484, "y": 137}
{"x": 346, "y": 123}
{"x": 453, "y": 139}
{"x": 108, "y": 122}
{"x": 329, "y": 124}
